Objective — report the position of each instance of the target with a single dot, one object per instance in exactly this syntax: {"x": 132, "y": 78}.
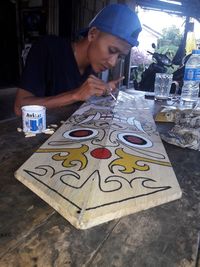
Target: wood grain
{"x": 105, "y": 162}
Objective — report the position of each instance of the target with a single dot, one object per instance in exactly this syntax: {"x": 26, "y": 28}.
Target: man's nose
{"x": 112, "y": 61}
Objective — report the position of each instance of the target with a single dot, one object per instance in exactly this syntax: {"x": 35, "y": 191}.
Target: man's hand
{"x": 92, "y": 86}
{"x": 95, "y": 86}
{"x": 113, "y": 84}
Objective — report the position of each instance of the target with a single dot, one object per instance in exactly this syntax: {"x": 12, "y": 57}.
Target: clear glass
{"x": 162, "y": 86}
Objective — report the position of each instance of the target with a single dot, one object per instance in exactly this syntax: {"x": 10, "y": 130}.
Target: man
{"x": 59, "y": 73}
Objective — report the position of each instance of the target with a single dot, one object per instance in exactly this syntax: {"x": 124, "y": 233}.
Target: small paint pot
{"x": 33, "y": 118}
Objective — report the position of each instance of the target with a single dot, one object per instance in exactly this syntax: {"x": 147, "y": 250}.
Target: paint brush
{"x": 109, "y": 92}
{"x": 113, "y": 96}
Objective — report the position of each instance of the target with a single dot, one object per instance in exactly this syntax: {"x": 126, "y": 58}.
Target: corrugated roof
{"x": 189, "y": 8}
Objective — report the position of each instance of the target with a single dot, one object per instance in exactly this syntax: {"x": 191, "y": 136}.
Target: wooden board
{"x": 106, "y": 161}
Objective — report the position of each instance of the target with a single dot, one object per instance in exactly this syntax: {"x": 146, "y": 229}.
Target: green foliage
{"x": 170, "y": 35}
{"x": 169, "y": 42}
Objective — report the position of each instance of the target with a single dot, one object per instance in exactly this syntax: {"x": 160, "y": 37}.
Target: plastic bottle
{"x": 190, "y": 89}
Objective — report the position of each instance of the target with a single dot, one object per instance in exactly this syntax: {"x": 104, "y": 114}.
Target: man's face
{"x": 105, "y": 50}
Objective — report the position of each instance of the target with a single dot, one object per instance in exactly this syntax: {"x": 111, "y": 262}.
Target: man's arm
{"x": 24, "y": 97}
{"x": 92, "y": 86}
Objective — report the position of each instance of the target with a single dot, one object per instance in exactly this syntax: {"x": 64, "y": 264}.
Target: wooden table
{"x": 33, "y": 234}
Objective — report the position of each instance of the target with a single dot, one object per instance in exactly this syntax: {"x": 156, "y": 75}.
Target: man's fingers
{"x": 113, "y": 84}
{"x": 95, "y": 78}
{"x": 99, "y": 87}
{"x": 118, "y": 80}
{"x": 97, "y": 84}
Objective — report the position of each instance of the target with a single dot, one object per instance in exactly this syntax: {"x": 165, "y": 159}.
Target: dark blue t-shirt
{"x": 51, "y": 68}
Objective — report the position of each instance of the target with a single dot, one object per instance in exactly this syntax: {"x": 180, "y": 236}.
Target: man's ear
{"x": 93, "y": 33}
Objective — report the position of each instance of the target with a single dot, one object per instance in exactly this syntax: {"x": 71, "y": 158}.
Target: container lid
{"x": 33, "y": 108}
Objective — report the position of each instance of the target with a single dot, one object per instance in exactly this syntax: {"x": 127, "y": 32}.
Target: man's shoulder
{"x": 51, "y": 45}
{"x": 53, "y": 40}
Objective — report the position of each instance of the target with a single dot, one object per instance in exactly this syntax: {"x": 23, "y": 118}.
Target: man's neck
{"x": 80, "y": 54}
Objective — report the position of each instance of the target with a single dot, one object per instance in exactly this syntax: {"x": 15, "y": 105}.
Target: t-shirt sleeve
{"x": 33, "y": 75}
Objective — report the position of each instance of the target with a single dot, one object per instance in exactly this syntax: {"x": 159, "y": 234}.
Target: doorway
{"x": 9, "y": 69}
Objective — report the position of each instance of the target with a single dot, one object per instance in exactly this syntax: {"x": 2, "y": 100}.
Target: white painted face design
{"x": 102, "y": 161}
{"x": 134, "y": 140}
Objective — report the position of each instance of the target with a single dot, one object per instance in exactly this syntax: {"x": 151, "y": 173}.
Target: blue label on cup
{"x": 36, "y": 125}
{"x": 33, "y": 125}
{"x": 40, "y": 123}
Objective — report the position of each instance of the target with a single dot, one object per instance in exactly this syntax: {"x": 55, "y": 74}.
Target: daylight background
{"x": 157, "y": 21}
{"x": 166, "y": 31}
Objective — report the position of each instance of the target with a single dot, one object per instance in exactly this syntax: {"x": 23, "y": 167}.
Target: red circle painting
{"x": 81, "y": 133}
{"x": 101, "y": 153}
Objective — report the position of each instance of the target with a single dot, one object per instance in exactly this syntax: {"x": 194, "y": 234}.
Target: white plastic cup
{"x": 33, "y": 118}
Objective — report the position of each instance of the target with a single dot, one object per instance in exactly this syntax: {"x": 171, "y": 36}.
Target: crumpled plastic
{"x": 186, "y": 131}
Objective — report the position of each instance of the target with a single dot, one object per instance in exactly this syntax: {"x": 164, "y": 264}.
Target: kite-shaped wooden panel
{"x": 106, "y": 161}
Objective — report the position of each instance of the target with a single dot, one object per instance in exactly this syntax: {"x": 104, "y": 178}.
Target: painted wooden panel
{"x": 106, "y": 161}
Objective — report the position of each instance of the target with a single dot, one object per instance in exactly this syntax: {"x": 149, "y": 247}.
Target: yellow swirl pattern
{"x": 129, "y": 162}
{"x": 73, "y": 155}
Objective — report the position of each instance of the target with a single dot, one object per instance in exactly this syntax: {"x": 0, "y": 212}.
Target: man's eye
{"x": 112, "y": 50}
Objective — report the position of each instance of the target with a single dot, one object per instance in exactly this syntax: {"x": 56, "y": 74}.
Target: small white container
{"x": 33, "y": 118}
